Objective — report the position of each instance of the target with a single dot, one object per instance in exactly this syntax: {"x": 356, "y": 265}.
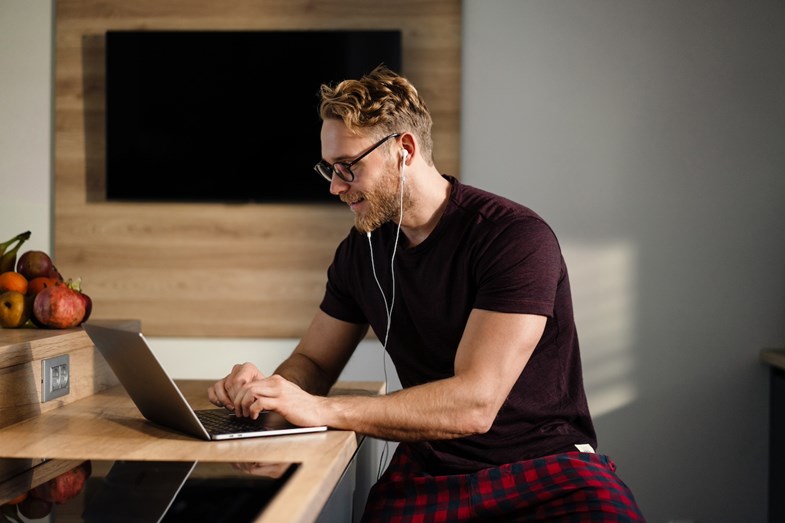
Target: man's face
{"x": 374, "y": 195}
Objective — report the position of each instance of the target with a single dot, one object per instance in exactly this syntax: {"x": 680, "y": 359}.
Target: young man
{"x": 470, "y": 296}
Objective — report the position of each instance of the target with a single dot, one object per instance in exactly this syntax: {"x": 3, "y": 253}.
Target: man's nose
{"x": 338, "y": 186}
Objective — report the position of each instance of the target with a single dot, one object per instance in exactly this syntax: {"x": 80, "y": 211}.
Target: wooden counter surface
{"x": 19, "y": 346}
{"x": 108, "y": 426}
{"x": 22, "y": 352}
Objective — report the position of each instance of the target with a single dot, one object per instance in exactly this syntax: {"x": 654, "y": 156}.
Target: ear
{"x": 409, "y": 145}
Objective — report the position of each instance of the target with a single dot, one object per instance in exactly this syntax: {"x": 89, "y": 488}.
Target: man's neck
{"x": 429, "y": 199}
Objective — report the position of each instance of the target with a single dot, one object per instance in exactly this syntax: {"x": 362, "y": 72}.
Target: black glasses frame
{"x": 344, "y": 169}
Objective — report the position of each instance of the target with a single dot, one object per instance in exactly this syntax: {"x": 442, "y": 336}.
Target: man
{"x": 470, "y": 296}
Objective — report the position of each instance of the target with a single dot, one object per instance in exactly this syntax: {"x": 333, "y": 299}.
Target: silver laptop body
{"x": 160, "y": 401}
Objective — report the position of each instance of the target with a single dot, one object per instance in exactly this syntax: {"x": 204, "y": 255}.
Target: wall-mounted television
{"x": 226, "y": 116}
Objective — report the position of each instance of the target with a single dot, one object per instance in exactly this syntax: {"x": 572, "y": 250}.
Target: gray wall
{"x": 651, "y": 135}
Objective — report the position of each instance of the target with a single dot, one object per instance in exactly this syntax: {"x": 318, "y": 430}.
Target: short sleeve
{"x": 519, "y": 270}
{"x": 338, "y": 300}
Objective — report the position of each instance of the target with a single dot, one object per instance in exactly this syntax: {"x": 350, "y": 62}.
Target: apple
{"x": 88, "y": 306}
{"x": 34, "y": 264}
{"x": 14, "y": 310}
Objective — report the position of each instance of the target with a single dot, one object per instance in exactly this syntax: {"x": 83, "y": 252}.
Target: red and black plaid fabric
{"x": 574, "y": 487}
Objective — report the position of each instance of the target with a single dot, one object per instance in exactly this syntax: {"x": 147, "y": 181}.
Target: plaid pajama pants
{"x": 574, "y": 487}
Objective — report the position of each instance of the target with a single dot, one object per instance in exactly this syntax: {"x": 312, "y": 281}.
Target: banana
{"x": 8, "y": 253}
{"x": 4, "y": 246}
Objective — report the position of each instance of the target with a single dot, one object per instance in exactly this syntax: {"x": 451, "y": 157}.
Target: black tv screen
{"x": 226, "y": 116}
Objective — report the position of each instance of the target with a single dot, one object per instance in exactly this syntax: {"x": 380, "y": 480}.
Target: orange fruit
{"x": 40, "y": 283}
{"x": 18, "y": 499}
{"x": 13, "y": 281}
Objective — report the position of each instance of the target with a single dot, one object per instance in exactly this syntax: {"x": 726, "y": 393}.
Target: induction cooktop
{"x": 142, "y": 491}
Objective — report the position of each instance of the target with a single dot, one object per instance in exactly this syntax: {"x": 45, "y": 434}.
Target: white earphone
{"x": 388, "y": 307}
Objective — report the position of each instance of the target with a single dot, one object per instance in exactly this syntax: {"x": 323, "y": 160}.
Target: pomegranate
{"x": 59, "y": 307}
{"x": 65, "y": 486}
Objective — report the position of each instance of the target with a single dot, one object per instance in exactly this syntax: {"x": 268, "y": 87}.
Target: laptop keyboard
{"x": 218, "y": 422}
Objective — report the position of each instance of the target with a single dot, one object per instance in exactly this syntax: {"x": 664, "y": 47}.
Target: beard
{"x": 383, "y": 202}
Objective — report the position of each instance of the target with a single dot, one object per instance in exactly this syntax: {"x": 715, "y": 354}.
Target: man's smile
{"x": 353, "y": 201}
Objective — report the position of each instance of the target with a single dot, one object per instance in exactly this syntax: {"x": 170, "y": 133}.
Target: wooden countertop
{"x": 19, "y": 346}
{"x": 108, "y": 426}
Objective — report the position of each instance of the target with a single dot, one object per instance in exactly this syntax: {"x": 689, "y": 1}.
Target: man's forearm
{"x": 444, "y": 409}
{"x": 306, "y": 374}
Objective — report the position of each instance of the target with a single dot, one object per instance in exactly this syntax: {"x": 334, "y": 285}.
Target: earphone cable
{"x": 388, "y": 309}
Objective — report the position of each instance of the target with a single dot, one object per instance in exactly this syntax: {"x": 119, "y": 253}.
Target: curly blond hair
{"x": 383, "y": 102}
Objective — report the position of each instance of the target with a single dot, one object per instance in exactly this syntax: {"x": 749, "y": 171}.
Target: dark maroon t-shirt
{"x": 488, "y": 253}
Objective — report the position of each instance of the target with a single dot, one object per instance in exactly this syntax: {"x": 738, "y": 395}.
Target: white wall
{"x": 213, "y": 358}
{"x": 650, "y": 135}
{"x": 26, "y": 121}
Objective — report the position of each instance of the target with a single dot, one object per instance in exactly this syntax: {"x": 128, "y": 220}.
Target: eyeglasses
{"x": 344, "y": 169}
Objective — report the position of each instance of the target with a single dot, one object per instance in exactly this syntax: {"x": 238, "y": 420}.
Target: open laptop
{"x": 160, "y": 401}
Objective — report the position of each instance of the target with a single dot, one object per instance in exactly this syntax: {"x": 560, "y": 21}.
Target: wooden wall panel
{"x": 254, "y": 270}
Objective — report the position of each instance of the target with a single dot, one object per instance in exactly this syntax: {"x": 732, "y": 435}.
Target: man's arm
{"x": 491, "y": 356}
{"x": 322, "y": 353}
{"x": 314, "y": 366}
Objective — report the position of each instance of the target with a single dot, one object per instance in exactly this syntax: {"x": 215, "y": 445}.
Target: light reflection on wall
{"x": 602, "y": 276}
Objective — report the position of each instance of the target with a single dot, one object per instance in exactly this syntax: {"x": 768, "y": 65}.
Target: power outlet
{"x": 55, "y": 378}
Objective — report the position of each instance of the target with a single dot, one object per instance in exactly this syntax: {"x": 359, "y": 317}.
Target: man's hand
{"x": 224, "y": 392}
{"x": 282, "y": 396}
{"x": 248, "y": 392}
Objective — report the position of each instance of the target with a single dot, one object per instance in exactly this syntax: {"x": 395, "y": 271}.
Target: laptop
{"x": 161, "y": 402}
